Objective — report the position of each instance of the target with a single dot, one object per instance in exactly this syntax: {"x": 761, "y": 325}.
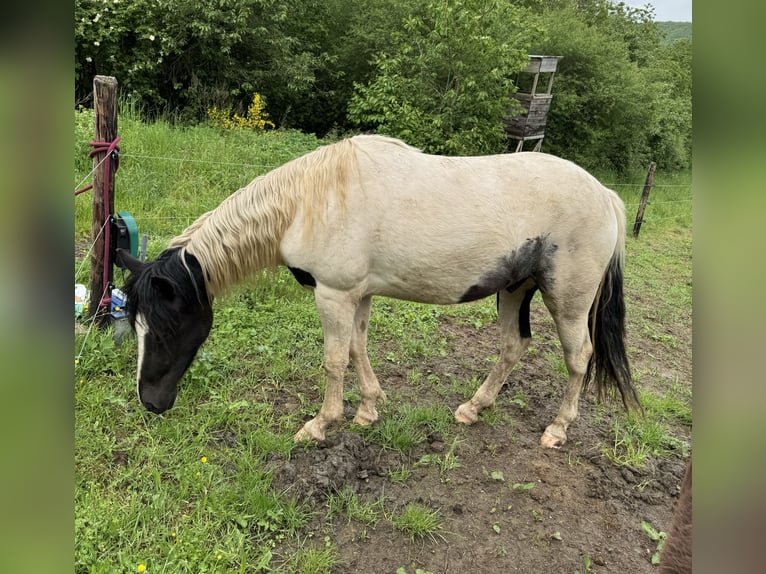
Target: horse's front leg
{"x": 336, "y": 311}
{"x": 366, "y": 413}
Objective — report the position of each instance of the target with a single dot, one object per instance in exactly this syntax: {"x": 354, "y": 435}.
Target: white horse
{"x": 370, "y": 216}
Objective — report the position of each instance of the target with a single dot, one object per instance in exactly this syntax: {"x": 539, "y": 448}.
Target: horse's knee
{"x": 334, "y": 368}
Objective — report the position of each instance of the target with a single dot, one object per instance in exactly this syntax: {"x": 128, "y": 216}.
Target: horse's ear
{"x": 125, "y": 260}
{"x": 163, "y": 288}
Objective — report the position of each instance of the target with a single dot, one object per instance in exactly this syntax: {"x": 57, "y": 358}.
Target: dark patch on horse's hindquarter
{"x": 532, "y": 260}
{"x": 303, "y": 277}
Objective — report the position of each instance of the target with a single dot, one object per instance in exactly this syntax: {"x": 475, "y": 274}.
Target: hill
{"x": 675, "y": 30}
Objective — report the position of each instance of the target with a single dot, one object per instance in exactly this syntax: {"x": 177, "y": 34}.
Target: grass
{"x": 190, "y": 490}
{"x": 419, "y": 522}
{"x": 347, "y": 503}
{"x": 409, "y": 426}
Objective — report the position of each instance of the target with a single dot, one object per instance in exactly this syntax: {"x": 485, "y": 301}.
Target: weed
{"x": 494, "y": 475}
{"x": 313, "y": 560}
{"x": 445, "y": 463}
{"x": 419, "y": 522}
{"x": 587, "y": 566}
{"x": 520, "y": 400}
{"x": 674, "y": 406}
{"x": 625, "y": 449}
{"x": 399, "y": 475}
{"x": 348, "y": 503}
{"x": 409, "y": 427}
{"x": 657, "y": 537}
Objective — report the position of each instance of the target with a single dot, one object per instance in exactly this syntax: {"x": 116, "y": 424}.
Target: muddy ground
{"x": 582, "y": 508}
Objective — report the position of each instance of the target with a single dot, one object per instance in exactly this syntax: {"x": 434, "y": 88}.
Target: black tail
{"x": 608, "y": 367}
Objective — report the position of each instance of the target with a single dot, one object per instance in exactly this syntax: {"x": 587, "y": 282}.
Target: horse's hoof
{"x": 307, "y": 434}
{"x": 465, "y": 414}
{"x": 364, "y": 421}
{"x": 366, "y": 416}
{"x": 549, "y": 440}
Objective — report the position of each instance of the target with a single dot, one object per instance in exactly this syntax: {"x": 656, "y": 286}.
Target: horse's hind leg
{"x": 513, "y": 316}
{"x": 336, "y": 311}
{"x": 571, "y": 320}
{"x": 366, "y": 413}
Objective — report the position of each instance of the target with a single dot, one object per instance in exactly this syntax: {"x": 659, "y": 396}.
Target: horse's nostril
{"x": 158, "y": 409}
{"x": 150, "y": 407}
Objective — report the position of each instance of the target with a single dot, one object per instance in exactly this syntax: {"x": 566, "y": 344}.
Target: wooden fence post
{"x": 105, "y": 109}
{"x": 644, "y": 199}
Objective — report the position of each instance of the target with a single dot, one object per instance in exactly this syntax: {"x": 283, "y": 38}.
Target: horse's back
{"x": 424, "y": 227}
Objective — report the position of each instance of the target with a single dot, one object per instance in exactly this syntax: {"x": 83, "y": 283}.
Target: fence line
{"x": 79, "y": 185}
{"x": 184, "y": 159}
{"x": 272, "y": 166}
{"x": 661, "y": 202}
{"x": 124, "y": 156}
{"x": 87, "y": 253}
{"x": 642, "y": 185}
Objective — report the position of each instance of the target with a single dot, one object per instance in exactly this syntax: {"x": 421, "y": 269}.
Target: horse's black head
{"x": 171, "y": 313}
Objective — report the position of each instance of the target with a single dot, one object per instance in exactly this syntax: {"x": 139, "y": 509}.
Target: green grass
{"x": 144, "y": 495}
{"x": 409, "y": 426}
{"x": 346, "y": 503}
{"x": 419, "y": 522}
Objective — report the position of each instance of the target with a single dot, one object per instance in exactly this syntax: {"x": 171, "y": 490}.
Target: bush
{"x": 447, "y": 83}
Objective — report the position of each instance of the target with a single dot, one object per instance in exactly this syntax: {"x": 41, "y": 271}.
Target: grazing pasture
{"x": 216, "y": 484}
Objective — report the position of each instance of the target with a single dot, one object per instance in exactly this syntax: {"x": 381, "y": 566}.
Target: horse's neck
{"x": 241, "y": 236}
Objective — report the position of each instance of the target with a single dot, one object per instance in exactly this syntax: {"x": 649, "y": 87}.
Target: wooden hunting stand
{"x": 530, "y": 124}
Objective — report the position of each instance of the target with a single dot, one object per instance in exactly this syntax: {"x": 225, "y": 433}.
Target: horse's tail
{"x": 608, "y": 367}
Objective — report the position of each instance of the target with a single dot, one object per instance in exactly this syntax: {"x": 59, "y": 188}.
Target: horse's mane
{"x": 242, "y": 235}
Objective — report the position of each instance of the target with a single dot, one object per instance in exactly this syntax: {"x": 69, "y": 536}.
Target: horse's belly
{"x": 440, "y": 280}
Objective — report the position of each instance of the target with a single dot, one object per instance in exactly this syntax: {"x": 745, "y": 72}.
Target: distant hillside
{"x": 676, "y": 30}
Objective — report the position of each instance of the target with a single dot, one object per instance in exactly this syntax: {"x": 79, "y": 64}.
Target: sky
{"x": 666, "y": 10}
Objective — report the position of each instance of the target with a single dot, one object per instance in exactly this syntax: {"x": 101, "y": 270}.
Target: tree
{"x": 446, "y": 82}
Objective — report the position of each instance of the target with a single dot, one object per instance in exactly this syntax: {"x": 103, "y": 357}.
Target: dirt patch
{"x": 581, "y": 505}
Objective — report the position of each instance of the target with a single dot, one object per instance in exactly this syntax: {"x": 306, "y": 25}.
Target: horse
{"x": 372, "y": 216}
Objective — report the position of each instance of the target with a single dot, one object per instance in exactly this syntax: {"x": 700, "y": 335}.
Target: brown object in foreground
{"x": 677, "y": 556}
{"x": 105, "y": 109}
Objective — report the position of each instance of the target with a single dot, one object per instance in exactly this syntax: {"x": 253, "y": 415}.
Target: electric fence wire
{"x": 98, "y": 165}
{"x": 90, "y": 328}
{"x": 85, "y": 257}
{"x": 189, "y": 160}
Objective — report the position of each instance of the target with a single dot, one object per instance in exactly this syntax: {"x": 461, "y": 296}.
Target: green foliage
{"x": 347, "y": 502}
{"x": 418, "y": 522}
{"x": 672, "y": 31}
{"x": 313, "y": 560}
{"x": 438, "y": 74}
{"x": 658, "y": 537}
{"x": 620, "y": 99}
{"x": 409, "y": 427}
{"x": 448, "y": 78}
{"x": 187, "y": 55}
